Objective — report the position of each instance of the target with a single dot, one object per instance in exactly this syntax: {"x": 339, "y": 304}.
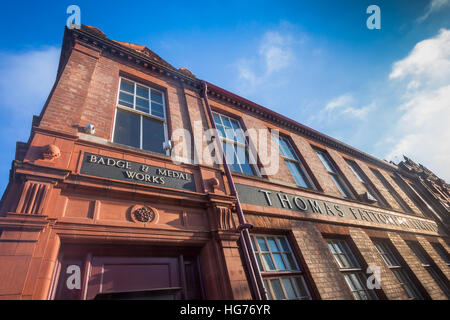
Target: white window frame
{"x": 297, "y": 161}
{"x": 341, "y": 184}
{"x": 141, "y": 113}
{"x": 246, "y": 146}
{"x": 357, "y": 171}
{"x": 353, "y": 269}
{"x": 278, "y": 274}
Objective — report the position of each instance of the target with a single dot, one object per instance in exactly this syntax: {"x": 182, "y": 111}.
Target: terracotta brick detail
{"x": 34, "y": 198}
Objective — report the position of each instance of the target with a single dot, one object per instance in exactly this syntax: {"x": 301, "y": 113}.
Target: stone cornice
{"x": 133, "y": 56}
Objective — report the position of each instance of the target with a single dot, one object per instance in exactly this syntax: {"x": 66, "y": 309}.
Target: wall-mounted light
{"x": 89, "y": 129}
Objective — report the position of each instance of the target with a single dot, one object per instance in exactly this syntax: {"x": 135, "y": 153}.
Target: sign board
{"x": 274, "y": 199}
{"x": 119, "y": 169}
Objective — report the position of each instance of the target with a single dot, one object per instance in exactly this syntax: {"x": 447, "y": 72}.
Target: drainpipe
{"x": 245, "y": 241}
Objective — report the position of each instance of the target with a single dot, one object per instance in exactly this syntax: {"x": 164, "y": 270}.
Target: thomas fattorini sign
{"x": 274, "y": 199}
{"x": 119, "y": 169}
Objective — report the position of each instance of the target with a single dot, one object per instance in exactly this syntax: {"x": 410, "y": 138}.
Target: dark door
{"x": 134, "y": 278}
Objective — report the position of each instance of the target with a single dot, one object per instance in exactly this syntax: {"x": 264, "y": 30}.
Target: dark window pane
{"x": 153, "y": 135}
{"x": 297, "y": 174}
{"x": 142, "y": 105}
{"x": 290, "y": 261}
{"x": 126, "y": 100}
{"x": 284, "y": 244}
{"x": 258, "y": 258}
{"x": 242, "y": 154}
{"x": 272, "y": 245}
{"x": 279, "y": 261}
{"x": 253, "y": 243}
{"x": 442, "y": 252}
{"x": 278, "y": 291}
{"x": 217, "y": 119}
{"x": 289, "y": 288}
{"x": 262, "y": 244}
{"x": 339, "y": 185}
{"x": 157, "y": 110}
{"x": 142, "y": 92}
{"x": 226, "y": 122}
{"x": 301, "y": 287}
{"x": 266, "y": 285}
{"x": 127, "y": 86}
{"x": 127, "y": 130}
{"x": 221, "y": 130}
{"x": 325, "y": 162}
{"x": 157, "y": 96}
{"x": 268, "y": 262}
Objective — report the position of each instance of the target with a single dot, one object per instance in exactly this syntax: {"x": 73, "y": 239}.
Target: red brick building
{"x": 97, "y": 208}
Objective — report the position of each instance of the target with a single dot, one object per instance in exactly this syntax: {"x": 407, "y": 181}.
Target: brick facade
{"x": 54, "y": 215}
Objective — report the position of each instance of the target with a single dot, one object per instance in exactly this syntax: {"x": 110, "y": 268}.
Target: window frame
{"x": 440, "y": 250}
{"x": 355, "y": 269}
{"x": 362, "y": 177}
{"x": 225, "y": 140}
{"x": 296, "y": 161}
{"x": 413, "y": 196}
{"x": 335, "y": 174}
{"x": 397, "y": 268}
{"x": 427, "y": 262}
{"x": 402, "y": 203}
{"x": 278, "y": 274}
{"x": 141, "y": 114}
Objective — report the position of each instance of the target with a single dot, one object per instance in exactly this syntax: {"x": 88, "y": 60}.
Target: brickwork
{"x": 434, "y": 256}
{"x": 389, "y": 284}
{"x": 63, "y": 111}
{"x": 49, "y": 203}
{"x": 328, "y": 279}
{"x": 402, "y": 194}
{"x": 414, "y": 264}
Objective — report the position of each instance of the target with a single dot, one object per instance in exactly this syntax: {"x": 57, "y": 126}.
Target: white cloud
{"x": 275, "y": 53}
{"x": 344, "y": 105}
{"x": 422, "y": 132}
{"x": 27, "y": 79}
{"x": 427, "y": 64}
{"x": 339, "y": 102}
{"x": 434, "y": 6}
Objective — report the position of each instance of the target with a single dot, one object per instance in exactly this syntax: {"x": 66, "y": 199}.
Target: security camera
{"x": 167, "y": 145}
{"x": 89, "y": 129}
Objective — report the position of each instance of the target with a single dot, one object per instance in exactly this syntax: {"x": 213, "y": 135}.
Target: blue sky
{"x": 386, "y": 92}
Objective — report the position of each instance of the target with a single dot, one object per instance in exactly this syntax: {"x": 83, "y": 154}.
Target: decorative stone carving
{"x": 187, "y": 71}
{"x": 33, "y": 199}
{"x": 143, "y": 214}
{"x": 224, "y": 218}
{"x": 213, "y": 183}
{"x": 50, "y": 152}
{"x": 437, "y": 187}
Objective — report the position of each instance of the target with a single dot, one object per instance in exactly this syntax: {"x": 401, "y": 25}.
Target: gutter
{"x": 245, "y": 240}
